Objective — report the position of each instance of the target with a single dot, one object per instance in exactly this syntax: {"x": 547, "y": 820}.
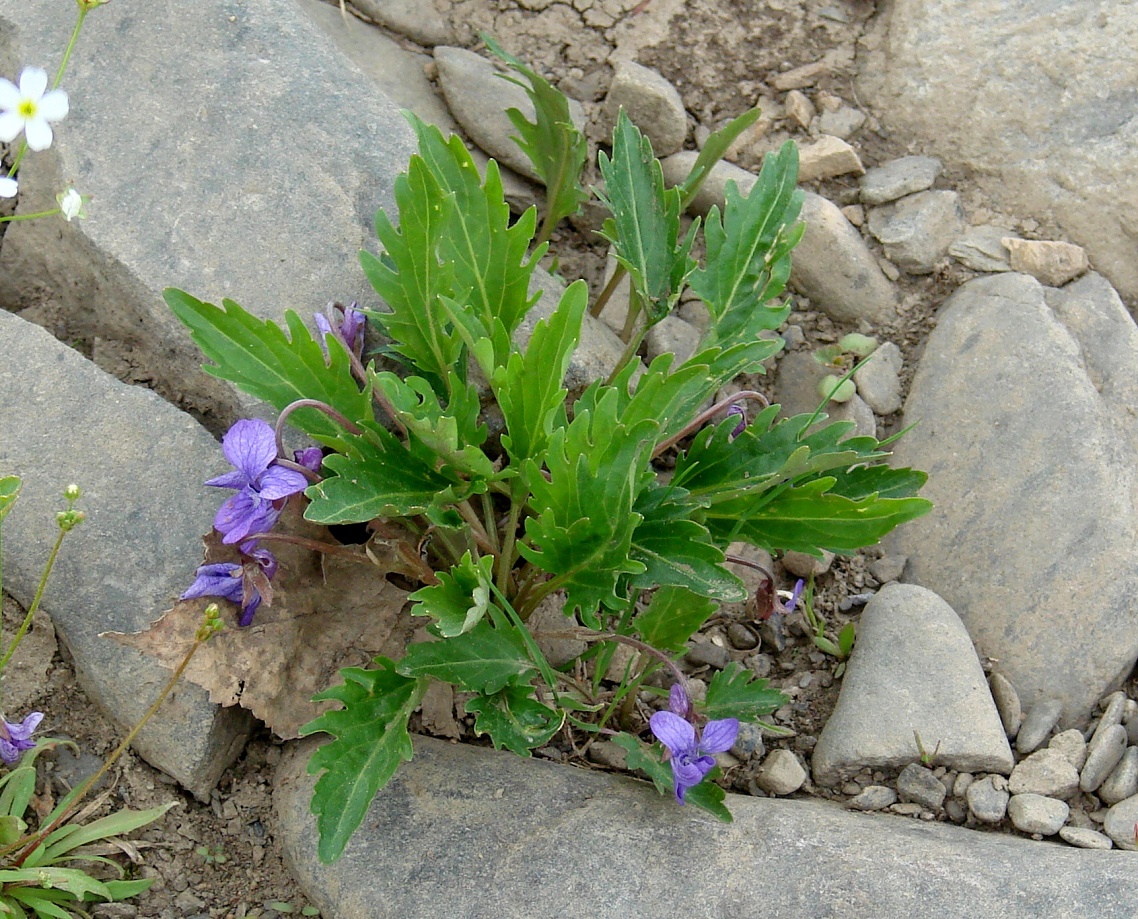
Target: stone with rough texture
{"x": 1034, "y": 489}
{"x": 1123, "y": 781}
{"x": 651, "y": 103}
{"x": 1037, "y": 814}
{"x": 479, "y": 97}
{"x": 135, "y": 458}
{"x": 671, "y": 335}
{"x": 1072, "y": 745}
{"x": 1037, "y": 724}
{"x": 878, "y": 381}
{"x": 988, "y": 799}
{"x": 1051, "y": 263}
{"x": 913, "y": 669}
{"x": 1121, "y": 822}
{"x": 897, "y": 178}
{"x": 873, "y": 798}
{"x": 163, "y": 212}
{"x": 1084, "y": 838}
{"x": 469, "y": 832}
{"x": 1046, "y": 772}
{"x": 1007, "y": 703}
{"x": 826, "y": 158}
{"x": 1038, "y": 103}
{"x": 982, "y": 249}
{"x": 917, "y": 230}
{"x": 419, "y": 20}
{"x": 918, "y": 785}
{"x": 781, "y": 773}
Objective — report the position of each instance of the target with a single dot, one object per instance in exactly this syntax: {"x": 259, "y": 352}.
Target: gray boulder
{"x": 1025, "y": 399}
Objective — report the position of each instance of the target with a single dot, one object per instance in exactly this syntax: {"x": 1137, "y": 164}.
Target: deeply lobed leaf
{"x": 514, "y": 719}
{"x": 482, "y": 660}
{"x": 735, "y": 692}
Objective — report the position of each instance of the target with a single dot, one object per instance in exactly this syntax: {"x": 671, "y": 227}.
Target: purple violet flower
{"x": 251, "y": 447}
{"x": 16, "y": 738}
{"x": 310, "y": 458}
{"x": 795, "y": 595}
{"x": 346, "y": 323}
{"x": 689, "y": 750}
{"x": 734, "y": 409}
{"x": 239, "y": 583}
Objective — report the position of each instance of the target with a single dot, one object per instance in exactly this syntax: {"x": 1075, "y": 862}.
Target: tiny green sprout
{"x": 836, "y": 389}
{"x": 212, "y": 855}
{"x": 72, "y": 493}
{"x": 281, "y": 907}
{"x": 861, "y": 346}
{"x": 925, "y": 757}
{"x": 833, "y": 356}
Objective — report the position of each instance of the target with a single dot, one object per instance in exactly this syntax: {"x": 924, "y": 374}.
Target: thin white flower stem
{"x": 14, "y": 217}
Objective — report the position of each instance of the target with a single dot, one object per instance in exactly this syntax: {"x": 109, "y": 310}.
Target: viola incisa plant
{"x": 617, "y": 505}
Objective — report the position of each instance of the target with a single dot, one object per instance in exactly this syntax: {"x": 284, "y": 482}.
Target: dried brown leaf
{"x": 329, "y": 610}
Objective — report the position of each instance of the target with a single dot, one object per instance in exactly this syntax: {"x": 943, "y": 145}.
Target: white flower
{"x": 71, "y": 205}
{"x": 8, "y": 187}
{"x": 29, "y": 109}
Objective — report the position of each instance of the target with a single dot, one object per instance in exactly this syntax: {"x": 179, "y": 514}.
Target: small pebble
{"x": 961, "y": 785}
{"x": 1007, "y": 704}
{"x": 1037, "y": 724}
{"x": 919, "y": 785}
{"x": 1037, "y": 814}
{"x": 851, "y": 788}
{"x": 1103, "y": 756}
{"x": 906, "y": 808}
{"x": 707, "y": 654}
{"x": 1072, "y": 745}
{"x": 1085, "y": 839}
{"x": 781, "y": 773}
{"x": 1046, "y": 772}
{"x": 889, "y": 568}
{"x": 955, "y": 811}
{"x": 988, "y": 799}
{"x": 1123, "y": 780}
{"x": 873, "y": 798}
{"x": 606, "y": 753}
{"x": 1115, "y": 706}
{"x": 748, "y": 742}
{"x": 742, "y": 637}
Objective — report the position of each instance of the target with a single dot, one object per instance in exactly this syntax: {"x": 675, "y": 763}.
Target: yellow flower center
{"x": 27, "y": 108}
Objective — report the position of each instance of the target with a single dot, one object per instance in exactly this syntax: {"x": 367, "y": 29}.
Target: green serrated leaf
{"x": 735, "y": 692}
{"x": 552, "y": 142}
{"x": 461, "y": 598}
{"x": 9, "y": 491}
{"x": 712, "y": 151}
{"x": 583, "y": 519}
{"x": 377, "y": 476}
{"x": 706, "y": 795}
{"x": 529, "y": 389}
{"x": 748, "y": 254}
{"x": 371, "y": 740}
{"x": 881, "y": 480}
{"x": 485, "y": 247}
{"x": 262, "y": 361}
{"x": 672, "y": 616}
{"x": 645, "y": 224}
{"x": 482, "y": 660}
{"x": 677, "y": 551}
{"x": 514, "y": 719}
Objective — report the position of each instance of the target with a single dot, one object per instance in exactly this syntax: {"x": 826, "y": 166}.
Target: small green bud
{"x": 87, "y": 5}
{"x": 211, "y": 623}
{"x": 836, "y": 389}
{"x": 71, "y": 492}
{"x": 69, "y": 520}
{"x": 860, "y": 345}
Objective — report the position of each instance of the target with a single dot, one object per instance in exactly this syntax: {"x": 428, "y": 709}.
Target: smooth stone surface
{"x": 1045, "y": 484}
{"x": 913, "y": 669}
{"x": 1102, "y": 757}
{"x": 136, "y": 458}
{"x": 419, "y": 20}
{"x": 1046, "y": 772}
{"x": 468, "y": 832}
{"x": 873, "y": 798}
{"x": 1037, "y": 814}
{"x": 1114, "y": 707}
{"x": 1037, "y": 101}
{"x": 1038, "y": 723}
{"x": 1120, "y": 823}
{"x": 897, "y": 178}
{"x": 1007, "y": 703}
{"x": 878, "y": 381}
{"x": 918, "y": 785}
{"x": 291, "y": 129}
{"x": 988, "y": 799}
{"x": 781, "y": 773}
{"x": 1084, "y": 838}
{"x": 917, "y": 230}
{"x": 1123, "y": 781}
{"x": 651, "y": 103}
{"x": 1071, "y": 744}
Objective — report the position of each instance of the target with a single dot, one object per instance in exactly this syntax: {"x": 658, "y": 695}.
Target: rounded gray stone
{"x": 1007, "y": 703}
{"x": 1113, "y": 710}
{"x": 989, "y": 459}
{"x": 982, "y": 249}
{"x": 1046, "y": 772}
{"x": 1037, "y": 724}
{"x": 878, "y": 381}
{"x": 1123, "y": 780}
{"x": 1072, "y": 745}
{"x": 897, "y": 178}
{"x": 918, "y": 785}
{"x": 748, "y": 742}
{"x": 1083, "y": 838}
{"x": 1102, "y": 757}
{"x": 873, "y": 798}
{"x": 781, "y": 773}
{"x": 651, "y": 103}
{"x": 1037, "y": 814}
{"x": 913, "y": 669}
{"x": 465, "y": 831}
{"x": 988, "y": 799}
{"x": 1121, "y": 823}
{"x": 918, "y": 229}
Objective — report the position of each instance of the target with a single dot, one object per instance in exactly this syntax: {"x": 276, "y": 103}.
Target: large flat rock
{"x": 140, "y": 463}
{"x": 473, "y": 834}
{"x": 229, "y": 150}
{"x": 1036, "y": 99}
{"x": 1025, "y": 403}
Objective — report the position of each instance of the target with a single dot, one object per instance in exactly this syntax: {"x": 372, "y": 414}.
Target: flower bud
{"x": 71, "y": 492}
{"x": 69, "y": 520}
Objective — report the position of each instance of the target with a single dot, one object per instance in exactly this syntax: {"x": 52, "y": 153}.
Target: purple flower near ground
{"x": 242, "y": 584}
{"x": 688, "y": 750}
{"x": 310, "y": 458}
{"x": 795, "y": 595}
{"x": 16, "y": 738}
{"x": 251, "y": 447}
{"x": 346, "y": 323}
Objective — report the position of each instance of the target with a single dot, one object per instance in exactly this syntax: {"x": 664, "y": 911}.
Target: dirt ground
{"x": 222, "y": 859}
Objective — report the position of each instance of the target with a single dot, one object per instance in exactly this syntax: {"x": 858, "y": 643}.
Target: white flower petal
{"x": 53, "y": 106}
{"x": 9, "y": 94}
{"x": 8, "y": 187}
{"x": 33, "y": 81}
{"x": 38, "y": 133}
{"x": 11, "y": 124}
{"x": 71, "y": 204}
